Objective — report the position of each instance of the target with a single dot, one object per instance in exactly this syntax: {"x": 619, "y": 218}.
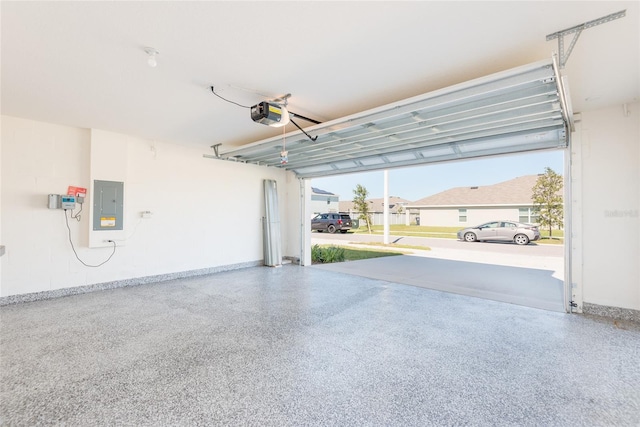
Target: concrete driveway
{"x": 508, "y": 273}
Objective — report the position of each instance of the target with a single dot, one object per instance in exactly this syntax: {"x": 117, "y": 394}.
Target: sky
{"x": 417, "y": 182}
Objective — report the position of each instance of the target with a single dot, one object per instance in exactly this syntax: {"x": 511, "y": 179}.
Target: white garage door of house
{"x": 518, "y": 110}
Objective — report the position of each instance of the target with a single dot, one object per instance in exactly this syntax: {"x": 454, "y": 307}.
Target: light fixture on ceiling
{"x": 152, "y": 56}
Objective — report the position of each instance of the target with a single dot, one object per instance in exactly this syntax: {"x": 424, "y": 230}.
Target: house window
{"x": 462, "y": 215}
{"x": 523, "y": 214}
{"x": 527, "y": 215}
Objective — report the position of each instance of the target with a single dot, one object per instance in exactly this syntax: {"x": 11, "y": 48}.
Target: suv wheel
{"x": 331, "y": 228}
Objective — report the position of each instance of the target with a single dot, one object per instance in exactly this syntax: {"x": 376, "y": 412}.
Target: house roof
{"x": 319, "y": 191}
{"x": 376, "y": 205}
{"x": 516, "y": 191}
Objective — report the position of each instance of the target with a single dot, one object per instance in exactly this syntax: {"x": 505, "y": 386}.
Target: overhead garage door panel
{"x": 517, "y": 110}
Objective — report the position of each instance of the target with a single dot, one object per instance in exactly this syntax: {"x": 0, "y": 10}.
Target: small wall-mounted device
{"x": 68, "y": 202}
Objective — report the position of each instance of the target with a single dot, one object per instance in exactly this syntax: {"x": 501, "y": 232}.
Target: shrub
{"x": 316, "y": 254}
{"x": 326, "y": 254}
{"x": 333, "y": 254}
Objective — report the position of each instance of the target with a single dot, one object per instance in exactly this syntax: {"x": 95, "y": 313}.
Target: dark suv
{"x": 331, "y": 222}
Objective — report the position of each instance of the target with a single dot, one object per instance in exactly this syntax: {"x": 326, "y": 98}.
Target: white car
{"x": 512, "y": 231}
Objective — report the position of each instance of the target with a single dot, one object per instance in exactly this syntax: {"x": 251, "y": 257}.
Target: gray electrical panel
{"x": 108, "y": 205}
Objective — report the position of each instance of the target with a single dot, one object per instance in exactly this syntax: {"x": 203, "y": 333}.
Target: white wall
{"x": 605, "y": 210}
{"x": 206, "y": 213}
{"x": 445, "y": 217}
{"x": 321, "y": 206}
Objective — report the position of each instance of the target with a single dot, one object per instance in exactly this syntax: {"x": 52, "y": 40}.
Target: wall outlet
{"x": 146, "y": 214}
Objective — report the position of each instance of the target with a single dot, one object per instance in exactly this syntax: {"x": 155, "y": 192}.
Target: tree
{"x": 361, "y": 205}
{"x": 547, "y": 199}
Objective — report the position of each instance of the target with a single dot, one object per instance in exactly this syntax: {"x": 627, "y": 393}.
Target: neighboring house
{"x": 465, "y": 206}
{"x": 323, "y": 201}
{"x": 377, "y": 205}
{"x": 397, "y": 210}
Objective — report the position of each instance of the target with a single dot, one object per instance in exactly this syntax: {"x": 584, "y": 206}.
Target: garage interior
{"x": 178, "y": 322}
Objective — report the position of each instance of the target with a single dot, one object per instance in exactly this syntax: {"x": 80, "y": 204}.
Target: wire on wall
{"x": 77, "y": 215}
{"x": 229, "y": 101}
{"x": 66, "y": 220}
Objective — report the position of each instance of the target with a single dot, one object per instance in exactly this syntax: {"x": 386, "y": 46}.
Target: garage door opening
{"x": 531, "y": 275}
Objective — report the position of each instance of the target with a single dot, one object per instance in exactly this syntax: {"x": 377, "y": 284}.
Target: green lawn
{"x": 354, "y": 254}
{"x": 412, "y": 230}
{"x": 394, "y": 245}
{"x": 557, "y": 237}
{"x": 351, "y": 253}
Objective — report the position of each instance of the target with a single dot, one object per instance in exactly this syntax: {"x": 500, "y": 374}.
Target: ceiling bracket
{"x": 564, "y": 56}
{"x": 215, "y": 149}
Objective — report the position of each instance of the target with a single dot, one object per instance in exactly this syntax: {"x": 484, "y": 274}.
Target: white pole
{"x": 386, "y": 207}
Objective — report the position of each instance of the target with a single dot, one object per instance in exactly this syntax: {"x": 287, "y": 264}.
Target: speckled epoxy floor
{"x": 302, "y": 346}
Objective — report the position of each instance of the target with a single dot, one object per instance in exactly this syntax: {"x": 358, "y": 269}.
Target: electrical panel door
{"x": 108, "y": 204}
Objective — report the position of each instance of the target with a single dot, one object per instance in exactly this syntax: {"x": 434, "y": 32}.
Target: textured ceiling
{"x": 83, "y": 64}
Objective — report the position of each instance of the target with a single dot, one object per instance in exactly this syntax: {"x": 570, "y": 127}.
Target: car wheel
{"x": 521, "y": 239}
{"x": 331, "y": 229}
{"x": 469, "y": 237}
{"x": 343, "y": 231}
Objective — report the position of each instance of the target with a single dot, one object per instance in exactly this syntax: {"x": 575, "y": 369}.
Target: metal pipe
{"x": 303, "y": 230}
{"x": 386, "y": 207}
{"x": 315, "y": 122}
{"x": 561, "y": 94}
{"x": 568, "y": 229}
{"x": 313, "y": 139}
